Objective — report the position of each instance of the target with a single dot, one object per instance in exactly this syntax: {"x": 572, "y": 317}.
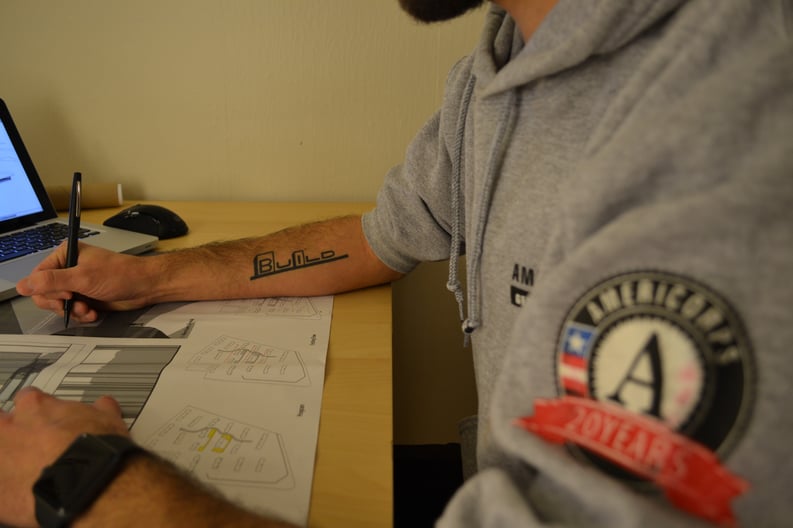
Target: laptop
{"x": 28, "y": 221}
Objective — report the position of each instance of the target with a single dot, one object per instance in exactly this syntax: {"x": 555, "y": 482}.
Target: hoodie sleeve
{"x": 412, "y": 220}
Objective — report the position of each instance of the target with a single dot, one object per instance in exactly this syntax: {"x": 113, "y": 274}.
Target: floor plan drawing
{"x": 220, "y": 450}
{"x": 235, "y": 359}
{"x": 274, "y": 307}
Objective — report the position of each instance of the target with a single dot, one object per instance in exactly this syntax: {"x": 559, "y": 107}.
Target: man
{"x": 618, "y": 174}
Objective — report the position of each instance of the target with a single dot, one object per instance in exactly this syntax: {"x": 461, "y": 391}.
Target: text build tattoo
{"x": 265, "y": 264}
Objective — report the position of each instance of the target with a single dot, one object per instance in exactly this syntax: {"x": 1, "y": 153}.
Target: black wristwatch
{"x": 71, "y": 484}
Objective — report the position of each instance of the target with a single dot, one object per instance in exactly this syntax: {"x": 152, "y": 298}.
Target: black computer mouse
{"x": 150, "y": 219}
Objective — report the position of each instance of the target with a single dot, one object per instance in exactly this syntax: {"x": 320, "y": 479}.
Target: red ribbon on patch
{"x": 689, "y": 473}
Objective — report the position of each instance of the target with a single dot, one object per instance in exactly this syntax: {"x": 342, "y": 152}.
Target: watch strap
{"x": 72, "y": 483}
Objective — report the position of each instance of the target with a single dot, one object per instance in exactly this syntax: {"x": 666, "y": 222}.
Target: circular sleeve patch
{"x": 663, "y": 346}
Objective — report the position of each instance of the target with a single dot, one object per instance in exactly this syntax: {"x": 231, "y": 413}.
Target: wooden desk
{"x": 353, "y": 477}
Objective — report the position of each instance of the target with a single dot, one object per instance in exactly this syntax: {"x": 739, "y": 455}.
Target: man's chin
{"x": 438, "y": 10}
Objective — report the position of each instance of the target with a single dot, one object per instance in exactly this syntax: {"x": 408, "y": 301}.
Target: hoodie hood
{"x": 571, "y": 33}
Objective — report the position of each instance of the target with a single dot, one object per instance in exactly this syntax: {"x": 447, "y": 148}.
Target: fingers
{"x": 4, "y": 418}
{"x": 81, "y": 311}
{"x": 33, "y": 399}
{"x": 108, "y": 404}
{"x": 41, "y": 278}
{"x": 30, "y": 399}
{"x": 52, "y": 279}
{"x": 94, "y": 281}
{"x": 35, "y": 408}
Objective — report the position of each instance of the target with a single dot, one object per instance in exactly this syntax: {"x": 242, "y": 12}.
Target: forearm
{"x": 151, "y": 492}
{"x": 315, "y": 259}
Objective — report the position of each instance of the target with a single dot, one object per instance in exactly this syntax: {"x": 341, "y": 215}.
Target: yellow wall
{"x": 210, "y": 99}
{"x": 244, "y": 100}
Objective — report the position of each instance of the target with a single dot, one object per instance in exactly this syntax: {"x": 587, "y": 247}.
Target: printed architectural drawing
{"x": 234, "y": 359}
{"x": 220, "y": 450}
{"x": 231, "y": 391}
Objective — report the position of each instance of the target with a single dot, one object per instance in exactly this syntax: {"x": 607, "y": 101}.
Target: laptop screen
{"x": 23, "y": 199}
{"x": 17, "y": 196}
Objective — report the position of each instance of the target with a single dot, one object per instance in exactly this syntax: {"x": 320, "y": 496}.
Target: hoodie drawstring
{"x": 496, "y": 156}
{"x": 453, "y": 283}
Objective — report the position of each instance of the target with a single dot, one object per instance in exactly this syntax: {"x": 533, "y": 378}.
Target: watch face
{"x": 70, "y": 485}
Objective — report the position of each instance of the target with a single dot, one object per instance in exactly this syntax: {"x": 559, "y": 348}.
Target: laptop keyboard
{"x": 36, "y": 239}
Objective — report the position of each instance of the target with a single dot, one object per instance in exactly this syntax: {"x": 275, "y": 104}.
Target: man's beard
{"x": 437, "y": 10}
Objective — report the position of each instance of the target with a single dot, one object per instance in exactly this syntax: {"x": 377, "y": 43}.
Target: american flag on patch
{"x": 573, "y": 358}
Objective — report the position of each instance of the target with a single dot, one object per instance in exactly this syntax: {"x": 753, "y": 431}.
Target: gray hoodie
{"x": 622, "y": 188}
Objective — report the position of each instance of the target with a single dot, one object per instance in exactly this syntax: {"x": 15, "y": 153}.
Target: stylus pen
{"x": 74, "y": 235}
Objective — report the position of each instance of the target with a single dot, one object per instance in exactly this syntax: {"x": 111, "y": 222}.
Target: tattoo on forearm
{"x": 265, "y": 264}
